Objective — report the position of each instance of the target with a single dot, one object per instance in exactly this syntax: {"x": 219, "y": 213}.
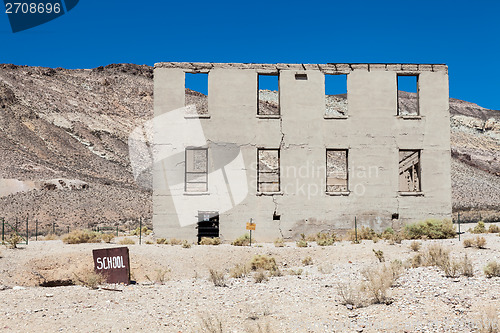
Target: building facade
{"x": 298, "y": 160}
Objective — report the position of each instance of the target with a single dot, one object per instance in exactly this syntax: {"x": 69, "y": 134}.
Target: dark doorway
{"x": 208, "y": 224}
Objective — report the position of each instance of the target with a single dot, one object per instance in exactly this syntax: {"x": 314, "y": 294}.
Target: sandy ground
{"x": 423, "y": 300}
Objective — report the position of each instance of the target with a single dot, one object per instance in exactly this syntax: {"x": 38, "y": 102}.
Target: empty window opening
{"x": 408, "y": 95}
{"x": 196, "y": 170}
{"x": 409, "y": 170}
{"x": 208, "y": 224}
{"x": 299, "y": 76}
{"x": 196, "y": 93}
{"x": 268, "y": 95}
{"x": 276, "y": 217}
{"x": 268, "y": 173}
{"x": 336, "y": 95}
{"x": 336, "y": 170}
{"x": 395, "y": 216}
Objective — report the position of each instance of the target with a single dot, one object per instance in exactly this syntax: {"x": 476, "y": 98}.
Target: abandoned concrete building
{"x": 296, "y": 158}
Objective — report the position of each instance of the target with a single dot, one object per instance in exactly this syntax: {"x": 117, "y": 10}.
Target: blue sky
{"x": 463, "y": 34}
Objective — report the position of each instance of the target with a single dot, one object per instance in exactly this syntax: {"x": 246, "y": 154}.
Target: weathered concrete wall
{"x": 373, "y": 133}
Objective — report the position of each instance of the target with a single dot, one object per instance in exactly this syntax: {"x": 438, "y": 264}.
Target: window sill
{"x": 196, "y": 193}
{"x": 340, "y": 193}
{"x": 268, "y": 116}
{"x": 409, "y": 117}
{"x": 411, "y": 194}
{"x": 197, "y": 116}
{"x": 269, "y": 193}
{"x": 335, "y": 117}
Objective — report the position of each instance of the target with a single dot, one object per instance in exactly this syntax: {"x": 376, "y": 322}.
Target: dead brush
{"x": 161, "y": 241}
{"x": 13, "y": 241}
{"x": 50, "y": 237}
{"x": 218, "y": 278}
{"x": 211, "y": 324}
{"x": 210, "y": 241}
{"x": 80, "y": 236}
{"x": 307, "y": 261}
{"x": 415, "y": 246}
{"x": 239, "y": 271}
{"x": 492, "y": 269}
{"x": 480, "y": 242}
{"x": 302, "y": 242}
{"x": 175, "y": 241}
{"x": 488, "y": 321}
{"x": 379, "y": 254}
{"x": 263, "y": 262}
{"x": 469, "y": 242}
{"x": 89, "y": 278}
{"x": 260, "y": 276}
{"x": 493, "y": 229}
{"x": 279, "y": 242}
{"x": 186, "y": 244}
{"x": 126, "y": 241}
{"x": 350, "y": 295}
{"x": 160, "y": 275}
{"x": 377, "y": 282}
{"x": 107, "y": 238}
{"x": 243, "y": 240}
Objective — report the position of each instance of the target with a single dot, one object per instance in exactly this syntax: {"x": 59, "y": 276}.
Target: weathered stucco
{"x": 372, "y": 132}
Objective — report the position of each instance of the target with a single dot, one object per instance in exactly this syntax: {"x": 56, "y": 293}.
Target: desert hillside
{"x": 64, "y": 145}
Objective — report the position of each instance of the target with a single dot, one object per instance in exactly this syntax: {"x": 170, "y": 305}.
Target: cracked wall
{"x": 372, "y": 132}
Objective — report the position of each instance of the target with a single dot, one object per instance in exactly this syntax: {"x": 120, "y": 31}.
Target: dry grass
{"x": 279, "y": 242}
{"x": 260, "y": 276}
{"x": 263, "y": 262}
{"x": 211, "y": 325}
{"x": 363, "y": 233}
{"x": 480, "y": 242}
{"x": 161, "y": 241}
{"x": 107, "y": 238}
{"x": 378, "y": 280}
{"x": 323, "y": 238}
{"x": 218, "y": 278}
{"x": 415, "y": 246}
{"x": 480, "y": 228}
{"x": 488, "y": 322}
{"x": 307, "y": 261}
{"x": 161, "y": 275}
{"x": 80, "y": 236}
{"x": 469, "y": 242}
{"x": 243, "y": 240}
{"x": 350, "y": 294}
{"x": 89, "y": 278}
{"x": 210, "y": 241}
{"x": 186, "y": 244}
{"x": 51, "y": 237}
{"x": 126, "y": 241}
{"x": 493, "y": 229}
{"x": 174, "y": 241}
{"x": 437, "y": 255}
{"x": 239, "y": 271}
{"x": 492, "y": 269}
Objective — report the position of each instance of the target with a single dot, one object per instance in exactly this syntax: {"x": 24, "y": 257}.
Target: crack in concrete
{"x": 275, "y": 213}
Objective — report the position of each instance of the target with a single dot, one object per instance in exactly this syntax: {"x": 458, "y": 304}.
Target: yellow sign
{"x": 251, "y": 226}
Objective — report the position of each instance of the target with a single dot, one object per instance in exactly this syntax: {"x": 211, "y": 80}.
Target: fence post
{"x": 68, "y": 229}
{"x": 36, "y": 230}
{"x": 140, "y": 230}
{"x": 16, "y": 224}
{"x": 53, "y": 228}
{"x": 3, "y": 229}
{"x": 27, "y": 232}
{"x": 356, "y": 228}
{"x": 458, "y": 218}
{"x": 116, "y": 231}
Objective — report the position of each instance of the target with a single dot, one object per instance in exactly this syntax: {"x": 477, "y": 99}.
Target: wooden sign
{"x": 250, "y": 226}
{"x": 113, "y": 263}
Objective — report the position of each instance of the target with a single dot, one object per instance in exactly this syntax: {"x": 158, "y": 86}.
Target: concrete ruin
{"x": 303, "y": 161}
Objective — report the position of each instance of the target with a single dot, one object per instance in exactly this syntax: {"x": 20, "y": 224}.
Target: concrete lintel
{"x": 376, "y": 67}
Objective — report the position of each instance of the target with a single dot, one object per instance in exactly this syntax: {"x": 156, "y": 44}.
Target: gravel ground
{"x": 423, "y": 300}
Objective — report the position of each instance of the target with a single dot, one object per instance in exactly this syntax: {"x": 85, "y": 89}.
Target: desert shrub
{"x": 126, "y": 241}
{"x": 377, "y": 282}
{"x": 479, "y": 228}
{"x": 51, "y": 237}
{"x": 260, "y": 276}
{"x": 161, "y": 241}
{"x": 349, "y": 294}
{"x": 415, "y": 246}
{"x": 325, "y": 238}
{"x": 387, "y": 234}
{"x": 375, "y": 239}
{"x": 279, "y": 242}
{"x": 82, "y": 236}
{"x": 296, "y": 272}
{"x": 148, "y": 242}
{"x": 239, "y": 271}
{"x": 379, "y": 254}
{"x": 275, "y": 272}
{"x": 107, "y": 238}
{"x": 492, "y": 269}
{"x": 431, "y": 229}
{"x": 488, "y": 322}
{"x": 13, "y": 240}
{"x": 469, "y": 242}
{"x": 217, "y": 278}
{"x": 363, "y": 233}
{"x": 89, "y": 278}
{"x": 210, "y": 241}
{"x": 186, "y": 244}
{"x": 211, "y": 325}
{"x": 396, "y": 238}
{"x": 145, "y": 231}
{"x": 466, "y": 267}
{"x": 493, "y": 229}
{"x": 302, "y": 243}
{"x": 263, "y": 262}
{"x": 480, "y": 242}
{"x": 243, "y": 240}
{"x": 175, "y": 241}
{"x": 307, "y": 261}
{"x": 437, "y": 255}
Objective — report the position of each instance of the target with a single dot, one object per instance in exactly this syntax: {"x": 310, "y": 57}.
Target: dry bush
{"x": 307, "y": 261}
{"x": 210, "y": 241}
{"x": 488, "y": 322}
{"x": 89, "y": 278}
{"x": 493, "y": 229}
{"x": 161, "y": 241}
{"x": 480, "y": 228}
{"x": 13, "y": 240}
{"x": 437, "y": 255}
{"x": 296, "y": 272}
{"x": 431, "y": 229}
{"x": 160, "y": 275}
{"x": 279, "y": 242}
{"x": 469, "y": 242}
{"x": 466, "y": 267}
{"x": 148, "y": 242}
{"x": 492, "y": 269}
{"x": 239, "y": 271}
{"x": 379, "y": 254}
{"x": 174, "y": 241}
{"x": 363, "y": 233}
{"x": 396, "y": 238}
{"x": 260, "y": 276}
{"x": 51, "y": 237}
{"x": 415, "y": 246}
{"x": 186, "y": 244}
{"x": 82, "y": 236}
{"x": 302, "y": 243}
{"x": 378, "y": 280}
{"x": 350, "y": 295}
{"x": 218, "y": 278}
{"x": 145, "y": 231}
{"x": 107, "y": 238}
{"x": 323, "y": 238}
{"x": 387, "y": 234}
{"x": 263, "y": 262}
{"x": 126, "y": 241}
{"x": 480, "y": 242}
{"x": 243, "y": 240}
{"x": 265, "y": 328}
{"x": 211, "y": 325}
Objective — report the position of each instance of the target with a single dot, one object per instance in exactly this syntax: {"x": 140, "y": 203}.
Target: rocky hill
{"x": 64, "y": 145}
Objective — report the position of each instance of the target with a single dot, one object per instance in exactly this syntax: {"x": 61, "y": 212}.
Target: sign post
{"x": 113, "y": 263}
{"x": 250, "y": 227}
